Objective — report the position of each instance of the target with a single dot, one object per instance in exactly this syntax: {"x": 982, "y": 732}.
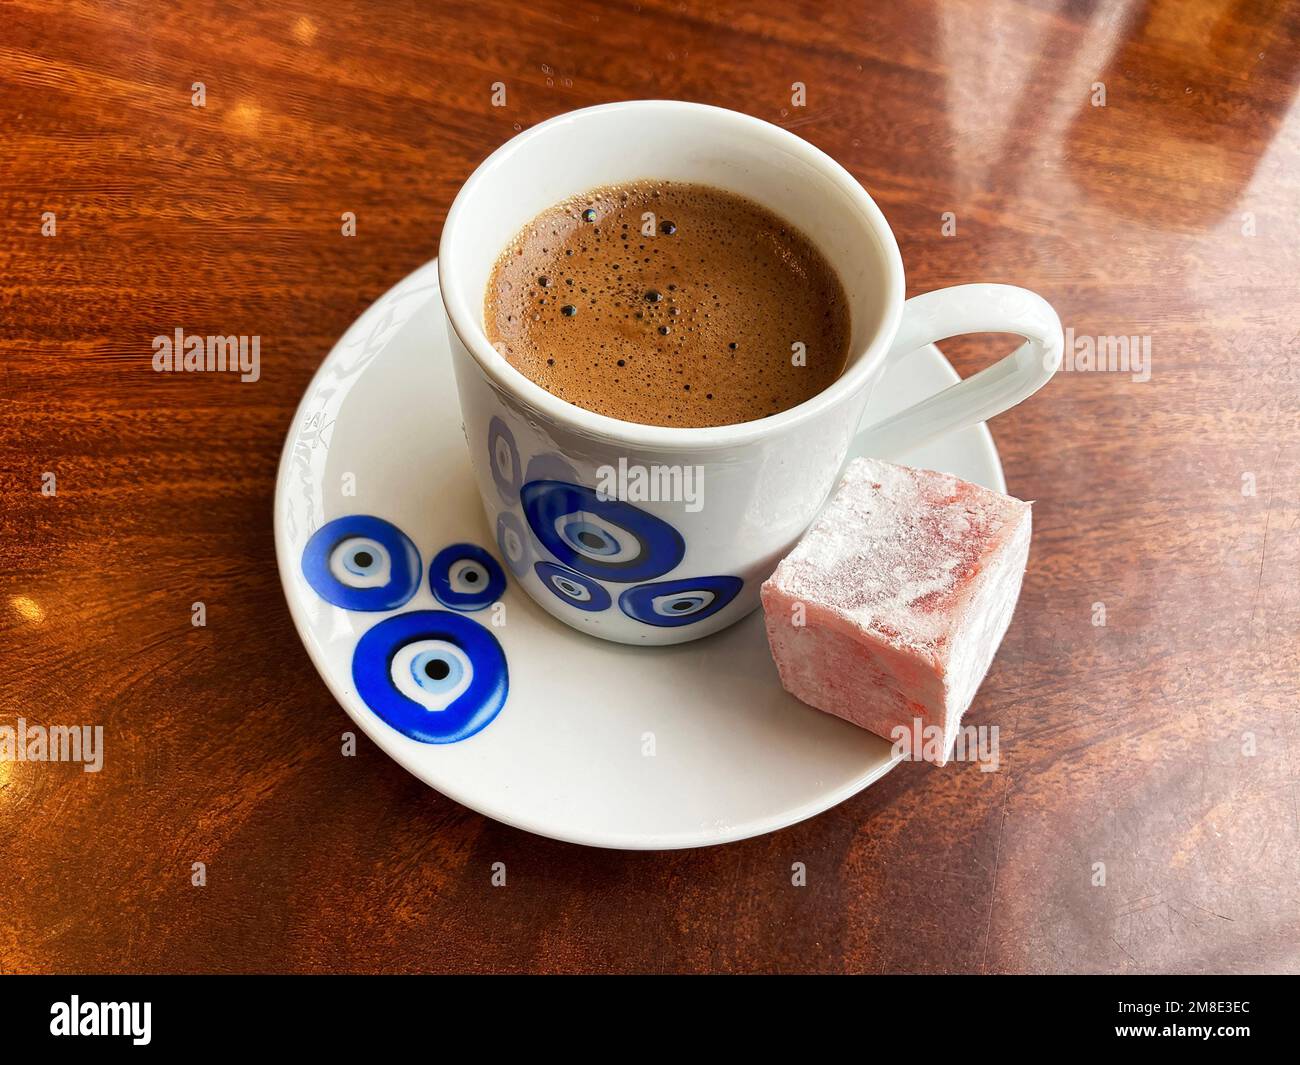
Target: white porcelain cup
{"x": 654, "y": 535}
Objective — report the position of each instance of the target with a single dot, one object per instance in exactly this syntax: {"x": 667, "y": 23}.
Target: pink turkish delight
{"x": 890, "y": 609}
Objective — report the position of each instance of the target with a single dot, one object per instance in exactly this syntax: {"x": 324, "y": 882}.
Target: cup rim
{"x": 468, "y": 326}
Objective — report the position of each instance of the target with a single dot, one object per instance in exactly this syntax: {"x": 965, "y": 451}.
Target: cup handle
{"x": 949, "y": 312}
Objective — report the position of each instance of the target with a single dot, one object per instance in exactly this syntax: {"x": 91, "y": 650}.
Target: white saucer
{"x": 596, "y": 743}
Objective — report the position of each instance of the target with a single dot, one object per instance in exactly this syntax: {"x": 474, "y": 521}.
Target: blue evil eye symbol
{"x": 602, "y": 538}
{"x": 465, "y": 577}
{"x": 684, "y": 602}
{"x": 362, "y": 563}
{"x": 435, "y": 676}
{"x": 573, "y": 588}
{"x": 513, "y": 543}
{"x": 503, "y": 456}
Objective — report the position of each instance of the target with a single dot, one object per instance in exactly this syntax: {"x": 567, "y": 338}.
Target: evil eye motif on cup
{"x": 602, "y": 538}
{"x": 573, "y": 587}
{"x": 513, "y": 542}
{"x": 434, "y": 676}
{"x": 503, "y": 457}
{"x": 684, "y": 602}
{"x": 465, "y": 577}
{"x": 362, "y": 563}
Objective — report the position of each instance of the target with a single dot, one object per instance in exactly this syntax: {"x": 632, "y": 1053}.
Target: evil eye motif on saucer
{"x": 672, "y": 603}
{"x": 572, "y": 587}
{"x": 435, "y": 676}
{"x": 513, "y": 542}
{"x": 465, "y": 577}
{"x": 362, "y": 563}
{"x": 602, "y": 538}
{"x": 503, "y": 456}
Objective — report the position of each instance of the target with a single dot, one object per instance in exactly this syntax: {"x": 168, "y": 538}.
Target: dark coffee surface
{"x": 668, "y": 303}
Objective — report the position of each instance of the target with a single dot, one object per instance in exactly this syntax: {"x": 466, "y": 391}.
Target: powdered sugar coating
{"x": 895, "y": 550}
{"x": 890, "y": 610}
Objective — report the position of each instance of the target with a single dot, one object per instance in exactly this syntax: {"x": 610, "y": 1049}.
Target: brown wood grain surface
{"x": 1162, "y": 746}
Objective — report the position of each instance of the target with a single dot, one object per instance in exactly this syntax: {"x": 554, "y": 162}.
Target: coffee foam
{"x": 690, "y": 326}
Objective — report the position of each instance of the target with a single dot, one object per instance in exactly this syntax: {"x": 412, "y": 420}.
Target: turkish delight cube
{"x": 890, "y": 609}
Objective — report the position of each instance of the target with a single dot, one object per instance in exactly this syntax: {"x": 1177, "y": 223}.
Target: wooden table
{"x": 1159, "y": 751}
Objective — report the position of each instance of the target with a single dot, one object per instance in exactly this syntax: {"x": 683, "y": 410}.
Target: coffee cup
{"x": 648, "y": 534}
